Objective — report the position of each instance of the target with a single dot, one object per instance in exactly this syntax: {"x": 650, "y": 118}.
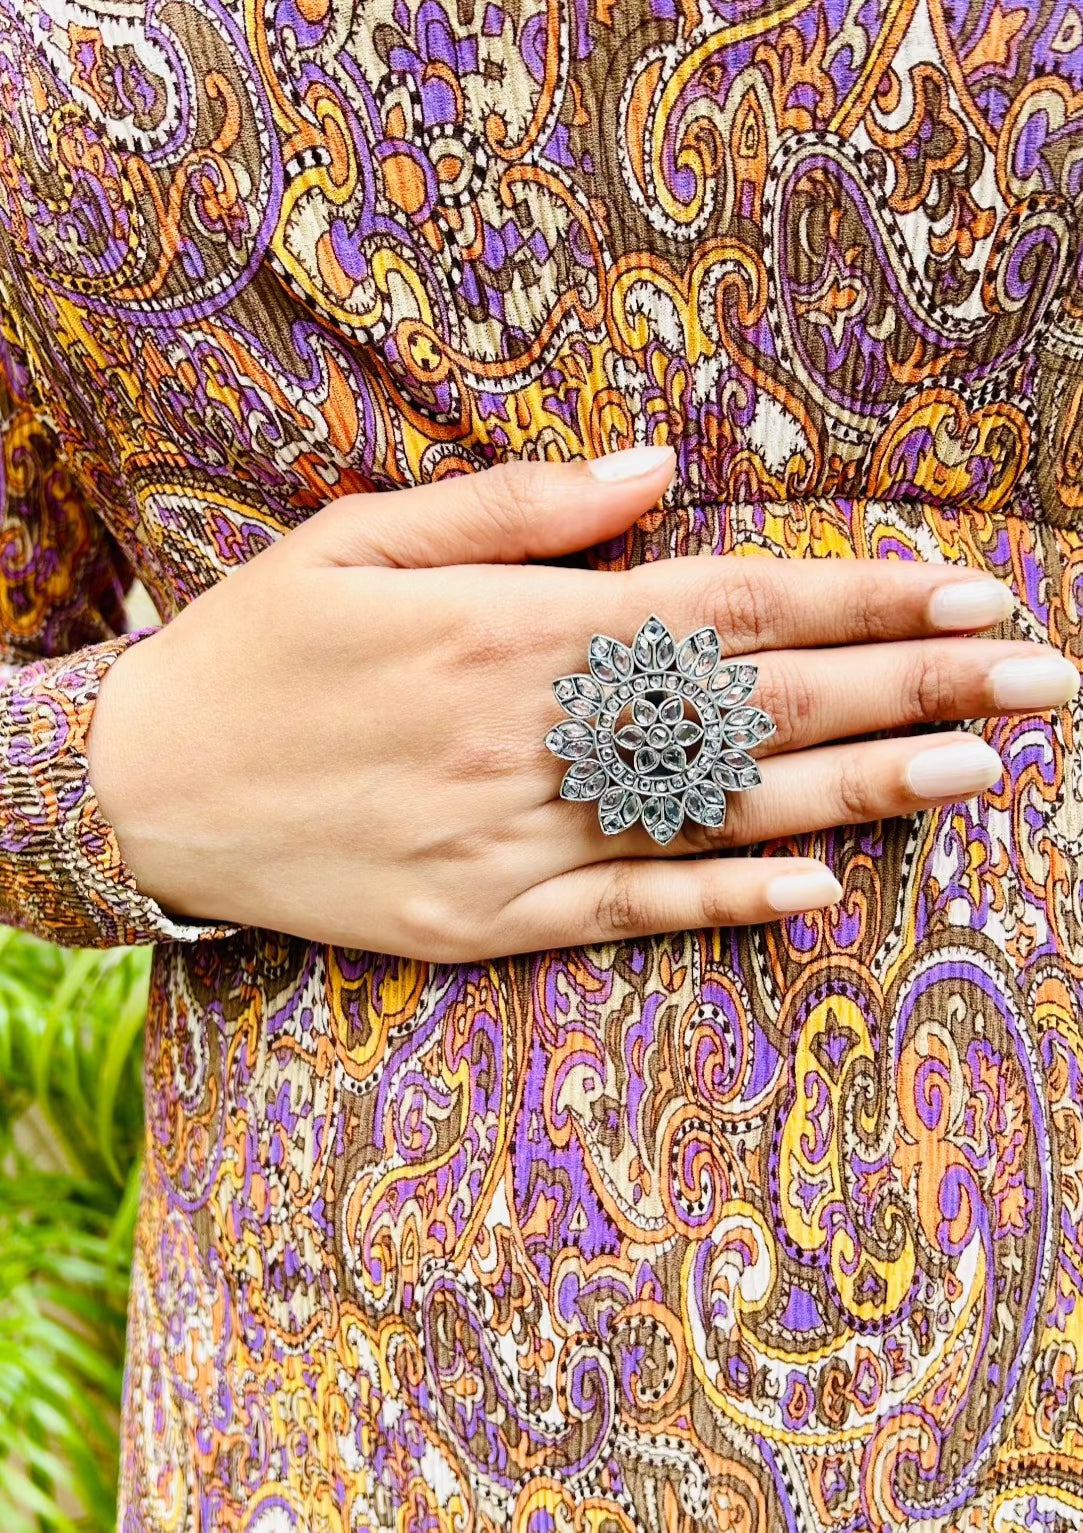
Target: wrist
{"x": 129, "y": 759}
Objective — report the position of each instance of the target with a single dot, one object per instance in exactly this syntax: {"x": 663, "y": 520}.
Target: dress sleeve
{"x": 63, "y": 580}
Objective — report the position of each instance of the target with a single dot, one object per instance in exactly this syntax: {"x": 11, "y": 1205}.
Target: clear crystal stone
{"x": 646, "y": 759}
{"x": 663, "y": 818}
{"x": 674, "y": 759}
{"x": 736, "y": 771}
{"x": 733, "y": 683}
{"x": 706, "y": 804}
{"x": 571, "y": 740}
{"x": 610, "y": 660}
{"x": 698, "y": 654}
{"x": 631, "y": 737}
{"x": 617, "y": 809}
{"x": 687, "y": 732}
{"x": 581, "y": 696}
{"x": 583, "y": 780}
{"x": 744, "y": 727}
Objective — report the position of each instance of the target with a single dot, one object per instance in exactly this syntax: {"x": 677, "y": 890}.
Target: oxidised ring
{"x": 659, "y": 731}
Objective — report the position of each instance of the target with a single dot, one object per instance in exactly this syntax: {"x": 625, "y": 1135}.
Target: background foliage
{"x": 71, "y": 1118}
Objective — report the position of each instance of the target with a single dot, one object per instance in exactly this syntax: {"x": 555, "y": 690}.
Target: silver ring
{"x": 659, "y": 731}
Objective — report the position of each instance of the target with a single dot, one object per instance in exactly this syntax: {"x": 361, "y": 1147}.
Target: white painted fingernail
{"x": 965, "y": 604}
{"x": 811, "y": 890}
{"x": 1041, "y": 681}
{"x": 630, "y": 462}
{"x": 957, "y": 770}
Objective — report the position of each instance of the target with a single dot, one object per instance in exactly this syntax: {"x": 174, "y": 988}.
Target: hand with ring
{"x": 390, "y": 731}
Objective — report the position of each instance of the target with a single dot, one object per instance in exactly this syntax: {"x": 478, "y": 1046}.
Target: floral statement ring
{"x": 661, "y": 730}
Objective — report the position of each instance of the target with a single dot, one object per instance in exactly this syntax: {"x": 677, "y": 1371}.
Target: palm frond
{"x": 71, "y": 1120}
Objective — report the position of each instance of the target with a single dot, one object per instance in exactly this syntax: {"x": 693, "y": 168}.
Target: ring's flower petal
{"x": 671, "y": 710}
{"x": 631, "y": 737}
{"x": 644, "y": 711}
{"x": 706, "y": 804}
{"x": 735, "y": 771}
{"x": 733, "y": 683}
{"x": 581, "y": 696}
{"x": 646, "y": 759}
{"x": 617, "y": 809}
{"x": 687, "y": 732}
{"x": 663, "y": 818}
{"x": 745, "y": 727}
{"x": 571, "y": 740}
{"x": 659, "y": 737}
{"x": 698, "y": 655}
{"x": 653, "y": 645}
{"x": 609, "y": 659}
{"x": 583, "y": 780}
{"x": 674, "y": 759}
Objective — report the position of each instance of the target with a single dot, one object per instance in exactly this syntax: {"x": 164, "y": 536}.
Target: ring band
{"x": 658, "y": 731}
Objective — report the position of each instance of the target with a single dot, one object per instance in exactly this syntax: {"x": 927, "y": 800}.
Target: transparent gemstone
{"x": 659, "y": 736}
{"x": 571, "y": 740}
{"x": 581, "y": 696}
{"x": 699, "y": 654}
{"x": 733, "y": 683}
{"x": 651, "y": 643}
{"x": 643, "y": 711}
{"x": 745, "y": 727}
{"x": 706, "y": 804}
{"x": 736, "y": 771}
{"x": 646, "y": 759}
{"x": 617, "y": 809}
{"x": 663, "y": 818}
{"x": 610, "y": 660}
{"x": 687, "y": 732}
{"x": 631, "y": 737}
{"x": 671, "y": 710}
{"x": 674, "y": 759}
{"x": 583, "y": 780}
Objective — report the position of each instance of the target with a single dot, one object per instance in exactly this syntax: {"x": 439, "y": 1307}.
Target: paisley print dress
{"x": 777, "y": 1230}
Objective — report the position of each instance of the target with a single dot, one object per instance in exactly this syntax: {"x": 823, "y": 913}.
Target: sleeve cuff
{"x": 61, "y": 870}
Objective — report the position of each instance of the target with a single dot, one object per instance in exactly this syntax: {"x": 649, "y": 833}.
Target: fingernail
{"x": 970, "y": 604}
{"x": 803, "y": 891}
{"x": 1041, "y": 681}
{"x": 630, "y": 462}
{"x": 957, "y": 770}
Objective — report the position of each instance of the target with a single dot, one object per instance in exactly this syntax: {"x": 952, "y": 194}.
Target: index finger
{"x": 759, "y": 603}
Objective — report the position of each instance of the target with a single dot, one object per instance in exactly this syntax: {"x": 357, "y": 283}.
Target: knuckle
{"x": 930, "y": 689}
{"x": 511, "y": 493}
{"x": 872, "y": 619}
{"x": 716, "y": 907}
{"x": 790, "y": 696}
{"x": 621, "y": 909}
{"x": 748, "y": 608}
{"x": 853, "y": 793}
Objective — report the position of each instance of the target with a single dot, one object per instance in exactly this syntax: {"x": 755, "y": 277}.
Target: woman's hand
{"x": 343, "y": 740}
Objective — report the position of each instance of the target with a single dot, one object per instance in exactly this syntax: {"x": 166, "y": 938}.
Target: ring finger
{"x": 815, "y": 696}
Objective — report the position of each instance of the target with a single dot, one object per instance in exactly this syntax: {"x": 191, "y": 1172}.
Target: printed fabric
{"x": 772, "y": 1230}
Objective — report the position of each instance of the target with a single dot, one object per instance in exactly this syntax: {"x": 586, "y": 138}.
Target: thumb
{"x": 519, "y": 510}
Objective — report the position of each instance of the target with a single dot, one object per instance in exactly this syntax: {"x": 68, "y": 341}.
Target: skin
{"x": 343, "y": 740}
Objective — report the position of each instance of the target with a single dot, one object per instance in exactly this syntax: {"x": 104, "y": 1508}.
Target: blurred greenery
{"x": 71, "y": 1118}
